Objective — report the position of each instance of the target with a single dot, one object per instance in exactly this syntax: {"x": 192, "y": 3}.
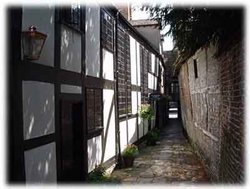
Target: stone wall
{"x": 212, "y": 110}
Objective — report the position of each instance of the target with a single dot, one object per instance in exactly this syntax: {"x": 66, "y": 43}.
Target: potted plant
{"x": 152, "y": 137}
{"x": 99, "y": 175}
{"x": 129, "y": 154}
{"x": 146, "y": 112}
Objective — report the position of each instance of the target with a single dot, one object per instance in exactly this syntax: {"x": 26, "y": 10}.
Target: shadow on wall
{"x": 94, "y": 152}
{"x": 70, "y": 50}
{"x": 40, "y": 164}
{"x": 38, "y": 109}
{"x": 92, "y": 42}
{"x": 133, "y": 138}
{"x": 107, "y": 59}
{"x": 98, "y": 145}
{"x": 141, "y": 128}
{"x": 105, "y": 135}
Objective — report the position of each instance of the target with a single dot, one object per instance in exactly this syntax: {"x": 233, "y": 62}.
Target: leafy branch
{"x": 195, "y": 27}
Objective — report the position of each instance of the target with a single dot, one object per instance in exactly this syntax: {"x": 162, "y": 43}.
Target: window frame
{"x": 95, "y": 129}
{"x": 124, "y": 58}
{"x": 104, "y": 28}
{"x": 144, "y": 61}
{"x": 68, "y": 18}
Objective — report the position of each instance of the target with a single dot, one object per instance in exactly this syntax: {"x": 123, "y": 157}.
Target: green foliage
{"x": 130, "y": 151}
{"x": 152, "y": 137}
{"x": 146, "y": 111}
{"x": 98, "y": 176}
{"x": 195, "y": 27}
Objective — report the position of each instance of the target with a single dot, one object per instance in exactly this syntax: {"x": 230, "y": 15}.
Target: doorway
{"x": 72, "y": 155}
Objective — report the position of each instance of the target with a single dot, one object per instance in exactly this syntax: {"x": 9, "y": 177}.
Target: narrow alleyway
{"x": 171, "y": 161}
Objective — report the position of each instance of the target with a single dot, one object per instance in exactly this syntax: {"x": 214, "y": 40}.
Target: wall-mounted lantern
{"x": 32, "y": 42}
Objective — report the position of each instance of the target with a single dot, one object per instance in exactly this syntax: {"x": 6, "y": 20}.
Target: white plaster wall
{"x": 108, "y": 65}
{"x": 109, "y": 123}
{"x": 123, "y": 134}
{"x": 132, "y": 131}
{"x": 133, "y": 60}
{"x": 134, "y": 102}
{"x": 162, "y": 79}
{"x": 155, "y": 82}
{"x": 139, "y": 99}
{"x": 150, "y": 81}
{"x": 70, "y": 50}
{"x": 94, "y": 152}
{"x": 92, "y": 40}
{"x": 140, "y": 125}
{"x": 71, "y": 89}
{"x": 157, "y": 67}
{"x": 138, "y": 64}
{"x": 43, "y": 18}
{"x": 40, "y": 164}
{"x": 145, "y": 125}
{"x": 38, "y": 109}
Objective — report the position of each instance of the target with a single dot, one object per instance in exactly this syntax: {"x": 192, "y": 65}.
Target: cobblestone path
{"x": 171, "y": 161}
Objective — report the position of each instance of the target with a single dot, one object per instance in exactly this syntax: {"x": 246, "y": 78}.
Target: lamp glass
{"x": 32, "y": 42}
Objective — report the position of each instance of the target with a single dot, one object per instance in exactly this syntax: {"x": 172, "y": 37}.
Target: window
{"x": 124, "y": 75}
{"x": 195, "y": 69}
{"x": 71, "y": 16}
{"x": 144, "y": 75}
{"x": 94, "y": 109}
{"x": 107, "y": 23}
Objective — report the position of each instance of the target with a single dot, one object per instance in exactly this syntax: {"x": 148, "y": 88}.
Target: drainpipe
{"x": 117, "y": 128}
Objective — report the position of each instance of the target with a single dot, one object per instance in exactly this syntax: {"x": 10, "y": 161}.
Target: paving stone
{"x": 158, "y": 162}
{"x": 171, "y": 161}
{"x": 130, "y": 179}
{"x": 147, "y": 174}
{"x": 159, "y": 180}
{"x": 145, "y": 180}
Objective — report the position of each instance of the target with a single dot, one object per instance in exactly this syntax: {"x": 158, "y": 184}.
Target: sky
{"x": 139, "y": 14}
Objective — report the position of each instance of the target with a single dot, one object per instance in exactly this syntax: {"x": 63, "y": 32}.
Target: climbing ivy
{"x": 196, "y": 27}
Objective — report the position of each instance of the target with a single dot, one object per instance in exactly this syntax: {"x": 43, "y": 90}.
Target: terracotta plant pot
{"x": 128, "y": 161}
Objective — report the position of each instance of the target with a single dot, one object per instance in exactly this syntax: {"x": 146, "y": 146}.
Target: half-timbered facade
{"x": 77, "y": 106}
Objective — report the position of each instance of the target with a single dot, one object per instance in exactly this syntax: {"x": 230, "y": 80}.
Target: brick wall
{"x": 232, "y": 115}
{"x": 212, "y": 110}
